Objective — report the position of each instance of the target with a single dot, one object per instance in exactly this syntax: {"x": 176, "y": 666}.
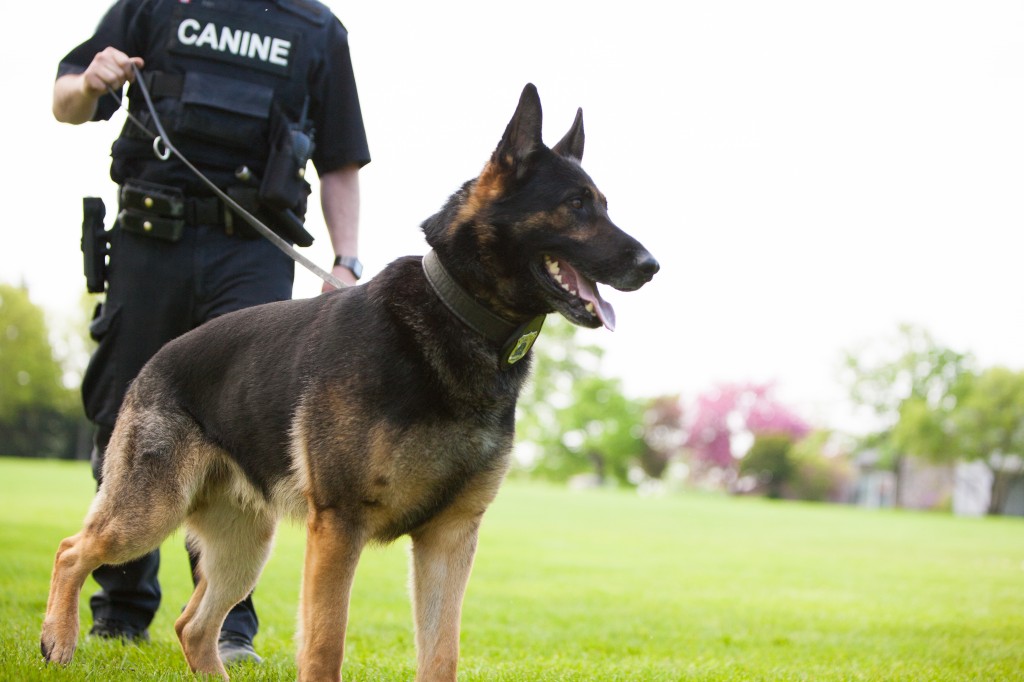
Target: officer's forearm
{"x": 72, "y": 102}
{"x": 339, "y": 198}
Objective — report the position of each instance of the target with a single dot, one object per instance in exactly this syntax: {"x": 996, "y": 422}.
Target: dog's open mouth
{"x": 581, "y": 288}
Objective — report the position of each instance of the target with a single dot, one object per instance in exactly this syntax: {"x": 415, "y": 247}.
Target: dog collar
{"x": 515, "y": 339}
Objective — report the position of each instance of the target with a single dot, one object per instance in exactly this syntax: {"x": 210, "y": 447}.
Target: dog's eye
{"x": 576, "y": 203}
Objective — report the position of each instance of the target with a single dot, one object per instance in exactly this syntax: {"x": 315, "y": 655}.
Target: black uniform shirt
{"x": 235, "y": 61}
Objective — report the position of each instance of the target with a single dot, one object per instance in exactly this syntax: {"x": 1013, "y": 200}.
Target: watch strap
{"x": 350, "y": 262}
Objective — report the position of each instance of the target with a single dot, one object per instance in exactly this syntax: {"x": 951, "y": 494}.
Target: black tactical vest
{"x": 217, "y": 69}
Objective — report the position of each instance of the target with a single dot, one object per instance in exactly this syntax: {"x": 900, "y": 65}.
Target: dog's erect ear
{"x": 572, "y": 143}
{"x": 522, "y": 137}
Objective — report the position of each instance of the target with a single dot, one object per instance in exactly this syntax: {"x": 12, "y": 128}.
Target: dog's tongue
{"x": 604, "y": 310}
{"x": 587, "y": 290}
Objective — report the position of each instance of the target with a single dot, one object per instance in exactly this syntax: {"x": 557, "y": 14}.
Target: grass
{"x": 597, "y": 586}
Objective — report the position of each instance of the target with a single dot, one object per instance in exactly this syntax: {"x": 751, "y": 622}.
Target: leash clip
{"x": 161, "y": 150}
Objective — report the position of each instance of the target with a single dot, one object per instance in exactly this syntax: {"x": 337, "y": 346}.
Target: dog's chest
{"x": 398, "y": 478}
{"x": 431, "y": 468}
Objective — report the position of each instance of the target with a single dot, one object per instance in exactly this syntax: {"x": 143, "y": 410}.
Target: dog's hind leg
{"x": 233, "y": 541}
{"x": 134, "y": 510}
{"x": 332, "y": 553}
{"x": 60, "y": 627}
{"x": 112, "y": 535}
{"x": 129, "y": 517}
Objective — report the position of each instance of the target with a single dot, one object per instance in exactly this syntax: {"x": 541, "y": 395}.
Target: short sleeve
{"x": 119, "y": 28}
{"x": 341, "y": 135}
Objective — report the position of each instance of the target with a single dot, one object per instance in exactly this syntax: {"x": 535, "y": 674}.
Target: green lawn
{"x": 598, "y": 586}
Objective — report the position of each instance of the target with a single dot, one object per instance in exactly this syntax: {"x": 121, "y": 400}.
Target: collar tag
{"x": 520, "y": 342}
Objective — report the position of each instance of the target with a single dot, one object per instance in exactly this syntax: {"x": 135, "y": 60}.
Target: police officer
{"x": 234, "y": 82}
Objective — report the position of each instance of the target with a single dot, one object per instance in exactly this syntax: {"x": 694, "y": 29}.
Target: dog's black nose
{"x": 646, "y": 264}
{"x": 644, "y": 268}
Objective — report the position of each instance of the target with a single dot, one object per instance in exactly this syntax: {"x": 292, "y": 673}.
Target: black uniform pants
{"x": 158, "y": 290}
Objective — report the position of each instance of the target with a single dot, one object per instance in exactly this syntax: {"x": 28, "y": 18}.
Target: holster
{"x": 95, "y": 245}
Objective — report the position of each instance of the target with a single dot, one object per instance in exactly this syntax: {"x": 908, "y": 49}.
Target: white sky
{"x": 809, "y": 174}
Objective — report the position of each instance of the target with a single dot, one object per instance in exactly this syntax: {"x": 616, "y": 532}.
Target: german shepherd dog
{"x": 373, "y": 412}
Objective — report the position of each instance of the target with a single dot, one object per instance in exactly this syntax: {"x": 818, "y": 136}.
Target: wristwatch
{"x": 350, "y": 262}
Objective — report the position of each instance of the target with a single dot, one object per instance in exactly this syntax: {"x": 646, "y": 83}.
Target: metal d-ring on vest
{"x": 160, "y": 139}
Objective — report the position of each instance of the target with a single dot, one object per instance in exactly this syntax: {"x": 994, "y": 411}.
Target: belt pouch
{"x": 149, "y": 197}
{"x": 151, "y": 225}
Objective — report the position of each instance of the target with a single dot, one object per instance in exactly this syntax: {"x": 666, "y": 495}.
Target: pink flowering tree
{"x": 722, "y": 418}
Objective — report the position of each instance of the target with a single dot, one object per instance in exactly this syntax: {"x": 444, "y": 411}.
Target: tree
{"x": 559, "y": 360}
{"x": 570, "y": 418}
{"x": 730, "y": 412}
{"x": 883, "y": 375}
{"x": 988, "y": 425}
{"x": 38, "y": 413}
{"x": 769, "y": 461}
{"x": 821, "y": 468}
{"x": 664, "y": 435}
{"x": 603, "y": 427}
{"x": 905, "y": 382}
{"x": 982, "y": 421}
{"x": 933, "y": 404}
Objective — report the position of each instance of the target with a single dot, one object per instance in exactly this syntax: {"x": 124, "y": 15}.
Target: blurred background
{"x": 833, "y": 191}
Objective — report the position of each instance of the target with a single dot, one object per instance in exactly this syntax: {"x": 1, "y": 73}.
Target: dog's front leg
{"x": 332, "y": 552}
{"x": 442, "y": 557}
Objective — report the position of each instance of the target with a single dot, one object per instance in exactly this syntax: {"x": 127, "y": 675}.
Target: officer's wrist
{"x": 350, "y": 263}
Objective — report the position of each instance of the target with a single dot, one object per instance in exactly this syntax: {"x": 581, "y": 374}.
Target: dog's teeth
{"x": 555, "y": 271}
{"x": 590, "y": 307}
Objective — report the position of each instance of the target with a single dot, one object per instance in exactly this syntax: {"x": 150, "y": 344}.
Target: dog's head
{"x": 531, "y": 235}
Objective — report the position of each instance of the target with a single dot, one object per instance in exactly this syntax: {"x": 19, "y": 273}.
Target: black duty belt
{"x": 213, "y": 212}
{"x": 204, "y": 211}
{"x": 164, "y": 201}
{"x": 162, "y": 211}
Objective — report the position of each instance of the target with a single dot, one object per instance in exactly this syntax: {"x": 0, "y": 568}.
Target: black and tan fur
{"x": 372, "y": 412}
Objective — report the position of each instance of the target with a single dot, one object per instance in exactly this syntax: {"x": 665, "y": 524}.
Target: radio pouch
{"x": 291, "y": 145}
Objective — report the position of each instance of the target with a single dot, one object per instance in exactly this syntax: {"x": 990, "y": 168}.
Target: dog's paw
{"x": 55, "y": 648}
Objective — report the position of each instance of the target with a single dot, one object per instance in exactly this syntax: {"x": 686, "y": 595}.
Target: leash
{"x": 163, "y": 149}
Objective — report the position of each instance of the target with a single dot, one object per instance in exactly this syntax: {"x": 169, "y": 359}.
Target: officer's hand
{"x": 342, "y": 273}
{"x": 110, "y": 68}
